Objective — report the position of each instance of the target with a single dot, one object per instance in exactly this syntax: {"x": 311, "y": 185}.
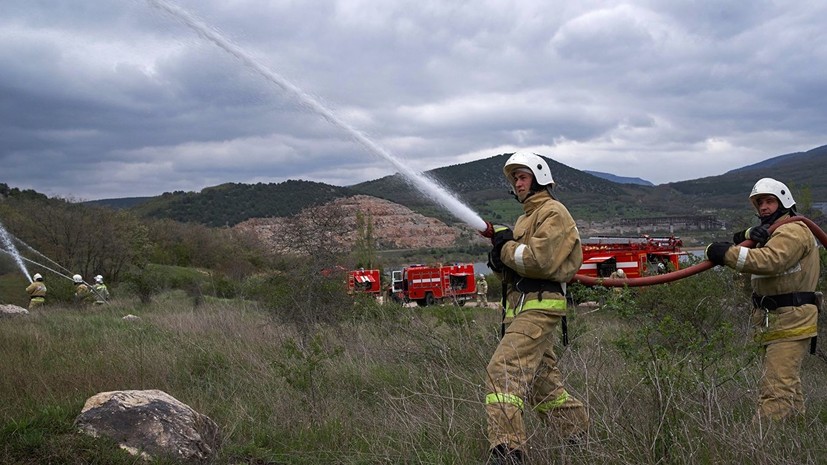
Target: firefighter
{"x": 101, "y": 291}
{"x": 535, "y": 260}
{"x": 36, "y": 291}
{"x": 784, "y": 268}
{"x": 82, "y": 293}
{"x": 618, "y": 274}
{"x": 482, "y": 291}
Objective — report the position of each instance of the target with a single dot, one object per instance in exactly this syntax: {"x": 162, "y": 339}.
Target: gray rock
{"x": 12, "y": 310}
{"x": 150, "y": 424}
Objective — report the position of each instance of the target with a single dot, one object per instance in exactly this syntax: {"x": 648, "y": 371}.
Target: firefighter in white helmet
{"x": 82, "y": 293}
{"x": 535, "y": 261}
{"x": 784, "y": 268}
{"x": 36, "y": 291}
{"x": 100, "y": 290}
{"x": 482, "y": 291}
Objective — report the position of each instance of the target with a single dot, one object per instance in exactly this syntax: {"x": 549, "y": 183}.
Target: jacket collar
{"x": 533, "y": 202}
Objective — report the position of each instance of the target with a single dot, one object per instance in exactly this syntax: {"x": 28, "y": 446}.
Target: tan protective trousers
{"x": 779, "y": 389}
{"x": 523, "y": 373}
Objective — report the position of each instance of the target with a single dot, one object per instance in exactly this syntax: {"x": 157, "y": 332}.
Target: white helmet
{"x": 99, "y": 279}
{"x": 37, "y": 277}
{"x": 77, "y": 279}
{"x": 532, "y": 161}
{"x": 771, "y": 186}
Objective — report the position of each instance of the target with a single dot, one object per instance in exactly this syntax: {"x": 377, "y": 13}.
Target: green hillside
{"x": 802, "y": 172}
{"x": 231, "y": 203}
{"x": 481, "y": 185}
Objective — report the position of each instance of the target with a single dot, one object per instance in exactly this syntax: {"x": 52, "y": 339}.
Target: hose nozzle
{"x": 489, "y": 230}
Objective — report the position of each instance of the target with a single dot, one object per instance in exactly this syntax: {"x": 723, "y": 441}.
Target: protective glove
{"x": 502, "y": 235}
{"x": 494, "y": 261}
{"x": 758, "y": 234}
{"x": 716, "y": 251}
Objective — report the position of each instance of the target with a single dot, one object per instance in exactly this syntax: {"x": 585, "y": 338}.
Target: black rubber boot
{"x": 502, "y": 455}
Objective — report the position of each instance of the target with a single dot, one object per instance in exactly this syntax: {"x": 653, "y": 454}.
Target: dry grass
{"x": 391, "y": 385}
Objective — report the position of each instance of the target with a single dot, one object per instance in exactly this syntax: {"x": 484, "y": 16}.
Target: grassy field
{"x": 668, "y": 372}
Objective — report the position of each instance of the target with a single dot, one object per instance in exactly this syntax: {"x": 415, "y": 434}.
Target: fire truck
{"x": 364, "y": 281}
{"x": 429, "y": 285}
{"x": 636, "y": 256}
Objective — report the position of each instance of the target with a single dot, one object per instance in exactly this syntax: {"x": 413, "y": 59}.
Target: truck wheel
{"x": 429, "y": 299}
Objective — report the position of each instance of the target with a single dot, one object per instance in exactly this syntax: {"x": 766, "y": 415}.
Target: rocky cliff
{"x": 394, "y": 226}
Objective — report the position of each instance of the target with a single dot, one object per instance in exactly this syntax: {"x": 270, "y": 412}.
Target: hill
{"x": 803, "y": 172}
{"x": 120, "y": 203}
{"x": 619, "y": 179}
{"x": 480, "y": 184}
{"x": 231, "y": 203}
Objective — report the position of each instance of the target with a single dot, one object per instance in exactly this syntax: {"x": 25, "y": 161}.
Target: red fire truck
{"x": 363, "y": 281}
{"x": 428, "y": 285}
{"x": 636, "y": 256}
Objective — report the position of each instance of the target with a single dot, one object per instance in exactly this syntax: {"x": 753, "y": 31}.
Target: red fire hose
{"x": 692, "y": 270}
{"x": 686, "y": 272}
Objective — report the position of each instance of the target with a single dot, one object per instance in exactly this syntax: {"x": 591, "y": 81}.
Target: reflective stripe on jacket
{"x": 36, "y": 289}
{"x": 546, "y": 246}
{"x": 788, "y": 262}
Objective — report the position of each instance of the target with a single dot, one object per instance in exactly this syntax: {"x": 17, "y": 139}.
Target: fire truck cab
{"x": 636, "y": 256}
{"x": 428, "y": 285}
{"x": 364, "y": 281}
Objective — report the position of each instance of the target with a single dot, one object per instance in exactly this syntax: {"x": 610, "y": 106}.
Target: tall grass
{"x": 386, "y": 384}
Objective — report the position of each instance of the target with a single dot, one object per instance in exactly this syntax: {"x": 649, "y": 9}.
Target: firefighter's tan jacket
{"x": 788, "y": 262}
{"x": 82, "y": 293}
{"x": 546, "y": 246}
{"x": 36, "y": 289}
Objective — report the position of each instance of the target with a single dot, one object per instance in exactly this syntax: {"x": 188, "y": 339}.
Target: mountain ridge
{"x": 481, "y": 185}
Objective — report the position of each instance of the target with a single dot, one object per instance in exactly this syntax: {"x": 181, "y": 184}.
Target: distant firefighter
{"x": 482, "y": 291}
{"x": 101, "y": 292}
{"x": 82, "y": 293}
{"x": 36, "y": 291}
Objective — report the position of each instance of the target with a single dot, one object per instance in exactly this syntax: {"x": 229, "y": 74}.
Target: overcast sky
{"x": 118, "y": 98}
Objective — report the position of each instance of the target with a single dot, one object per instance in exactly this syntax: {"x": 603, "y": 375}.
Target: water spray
{"x": 90, "y": 286}
{"x": 418, "y": 180}
{"x": 20, "y": 241}
{"x": 426, "y": 185}
{"x": 8, "y": 245}
{"x": 41, "y": 265}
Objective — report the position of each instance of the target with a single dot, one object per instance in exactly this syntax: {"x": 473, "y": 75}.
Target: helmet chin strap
{"x": 771, "y": 218}
{"x": 517, "y": 197}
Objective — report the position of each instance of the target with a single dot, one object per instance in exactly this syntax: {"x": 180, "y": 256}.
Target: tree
{"x": 316, "y": 233}
{"x": 84, "y": 239}
{"x": 365, "y": 247}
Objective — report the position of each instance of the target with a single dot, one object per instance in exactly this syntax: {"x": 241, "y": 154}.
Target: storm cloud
{"x": 108, "y": 99}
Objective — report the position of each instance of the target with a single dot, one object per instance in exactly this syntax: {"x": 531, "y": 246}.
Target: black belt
{"x": 793, "y": 299}
{"x": 526, "y": 285}
{"x": 37, "y": 297}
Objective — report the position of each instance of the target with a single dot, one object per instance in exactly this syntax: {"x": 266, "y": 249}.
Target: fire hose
{"x": 678, "y": 274}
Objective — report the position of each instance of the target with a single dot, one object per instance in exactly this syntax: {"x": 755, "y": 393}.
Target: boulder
{"x": 12, "y": 310}
{"x": 150, "y": 424}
